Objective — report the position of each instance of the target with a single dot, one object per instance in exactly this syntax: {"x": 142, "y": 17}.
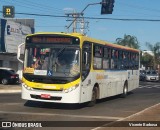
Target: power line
{"x": 49, "y": 26}
{"x": 37, "y": 5}
{"x": 43, "y": 5}
{"x": 124, "y": 19}
{"x": 95, "y": 18}
{"x": 140, "y": 7}
{"x": 41, "y": 15}
{"x": 30, "y": 5}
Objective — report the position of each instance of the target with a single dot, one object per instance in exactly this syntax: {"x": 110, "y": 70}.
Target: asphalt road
{"x": 13, "y": 108}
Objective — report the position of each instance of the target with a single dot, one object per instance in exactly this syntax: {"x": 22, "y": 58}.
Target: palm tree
{"x": 128, "y": 40}
{"x": 155, "y": 48}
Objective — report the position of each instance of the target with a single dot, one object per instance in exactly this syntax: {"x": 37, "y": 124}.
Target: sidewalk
{"x": 147, "y": 119}
{"x": 10, "y": 88}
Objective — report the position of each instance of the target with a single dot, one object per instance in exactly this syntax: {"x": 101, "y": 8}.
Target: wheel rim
{"x": 125, "y": 90}
{"x": 4, "y": 81}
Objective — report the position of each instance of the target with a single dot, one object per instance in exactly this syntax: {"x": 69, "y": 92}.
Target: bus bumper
{"x": 51, "y": 96}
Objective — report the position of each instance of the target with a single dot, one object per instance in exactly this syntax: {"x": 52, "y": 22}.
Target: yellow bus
{"x": 73, "y": 68}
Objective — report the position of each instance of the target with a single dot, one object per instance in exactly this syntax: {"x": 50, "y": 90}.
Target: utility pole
{"x": 75, "y": 16}
{"x": 83, "y": 26}
{"x": 79, "y": 25}
{"x": 81, "y": 13}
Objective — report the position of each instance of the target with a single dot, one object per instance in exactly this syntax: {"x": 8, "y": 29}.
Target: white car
{"x": 151, "y": 75}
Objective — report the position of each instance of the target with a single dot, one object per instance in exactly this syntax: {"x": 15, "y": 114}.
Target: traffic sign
{"x": 8, "y": 11}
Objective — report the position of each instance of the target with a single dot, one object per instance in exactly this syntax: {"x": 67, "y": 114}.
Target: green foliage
{"x": 155, "y": 48}
{"x": 128, "y": 40}
{"x": 147, "y": 60}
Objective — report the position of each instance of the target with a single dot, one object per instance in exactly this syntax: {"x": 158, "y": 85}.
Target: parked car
{"x": 142, "y": 75}
{"x": 152, "y": 75}
{"x": 8, "y": 76}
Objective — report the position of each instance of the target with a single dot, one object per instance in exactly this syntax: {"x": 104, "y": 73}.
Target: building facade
{"x": 12, "y": 34}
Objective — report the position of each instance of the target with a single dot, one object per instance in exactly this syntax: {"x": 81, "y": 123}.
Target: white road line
{"x": 149, "y": 86}
{"x": 50, "y": 114}
{"x": 157, "y": 86}
{"x": 136, "y": 114}
{"x": 144, "y": 86}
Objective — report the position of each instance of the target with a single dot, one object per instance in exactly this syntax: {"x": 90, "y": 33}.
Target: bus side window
{"x": 98, "y": 54}
{"x": 106, "y": 58}
{"x": 119, "y": 59}
{"x": 132, "y": 61}
{"x": 137, "y": 61}
{"x": 116, "y": 59}
{"x": 122, "y": 60}
{"x": 112, "y": 61}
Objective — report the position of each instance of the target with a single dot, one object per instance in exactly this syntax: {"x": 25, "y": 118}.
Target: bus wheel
{"x": 94, "y": 97}
{"x": 125, "y": 90}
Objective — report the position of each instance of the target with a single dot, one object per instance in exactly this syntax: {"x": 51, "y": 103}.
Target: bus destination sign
{"x": 50, "y": 40}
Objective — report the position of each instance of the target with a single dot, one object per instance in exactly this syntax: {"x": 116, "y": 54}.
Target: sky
{"x": 103, "y": 29}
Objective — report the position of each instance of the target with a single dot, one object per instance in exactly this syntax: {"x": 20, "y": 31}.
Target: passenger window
{"x": 106, "y": 58}
{"x": 98, "y": 54}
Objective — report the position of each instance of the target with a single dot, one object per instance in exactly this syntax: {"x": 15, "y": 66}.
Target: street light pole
{"x": 82, "y": 13}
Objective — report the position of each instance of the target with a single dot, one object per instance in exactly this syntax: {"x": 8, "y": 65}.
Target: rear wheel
{"x": 125, "y": 90}
{"x": 4, "y": 81}
{"x": 94, "y": 97}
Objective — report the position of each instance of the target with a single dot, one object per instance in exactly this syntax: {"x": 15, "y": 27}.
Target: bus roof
{"x": 81, "y": 36}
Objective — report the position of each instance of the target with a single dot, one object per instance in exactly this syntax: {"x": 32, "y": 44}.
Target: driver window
{"x": 86, "y": 59}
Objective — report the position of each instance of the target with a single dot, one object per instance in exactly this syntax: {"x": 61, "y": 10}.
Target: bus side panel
{"x": 86, "y": 88}
{"x": 133, "y": 79}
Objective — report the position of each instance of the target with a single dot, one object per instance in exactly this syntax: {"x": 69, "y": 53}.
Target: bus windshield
{"x": 58, "y": 61}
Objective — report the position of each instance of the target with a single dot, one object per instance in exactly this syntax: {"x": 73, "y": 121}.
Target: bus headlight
{"x": 70, "y": 89}
{"x": 27, "y": 87}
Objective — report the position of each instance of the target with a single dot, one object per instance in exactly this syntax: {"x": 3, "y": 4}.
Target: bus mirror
{"x": 20, "y": 49}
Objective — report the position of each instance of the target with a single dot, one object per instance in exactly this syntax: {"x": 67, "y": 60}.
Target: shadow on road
{"x": 68, "y": 106}
{"x": 113, "y": 98}
{"x": 53, "y": 105}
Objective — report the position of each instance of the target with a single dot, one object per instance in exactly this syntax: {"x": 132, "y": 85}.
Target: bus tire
{"x": 125, "y": 91}
{"x": 94, "y": 97}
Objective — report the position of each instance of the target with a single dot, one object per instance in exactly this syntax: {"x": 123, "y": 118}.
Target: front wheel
{"x": 94, "y": 97}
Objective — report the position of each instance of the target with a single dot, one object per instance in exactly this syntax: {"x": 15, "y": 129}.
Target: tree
{"x": 155, "y": 48}
{"x": 146, "y": 59}
{"x": 128, "y": 40}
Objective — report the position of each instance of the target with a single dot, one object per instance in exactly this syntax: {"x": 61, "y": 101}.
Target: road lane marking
{"x": 66, "y": 115}
{"x": 133, "y": 115}
{"x": 149, "y": 86}
{"x": 144, "y": 86}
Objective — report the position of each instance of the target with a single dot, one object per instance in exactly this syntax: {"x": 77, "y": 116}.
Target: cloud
{"x": 68, "y": 9}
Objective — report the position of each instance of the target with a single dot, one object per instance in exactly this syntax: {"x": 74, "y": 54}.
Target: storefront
{"x": 13, "y": 33}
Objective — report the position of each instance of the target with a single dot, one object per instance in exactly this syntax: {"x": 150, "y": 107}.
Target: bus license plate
{"x": 46, "y": 96}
